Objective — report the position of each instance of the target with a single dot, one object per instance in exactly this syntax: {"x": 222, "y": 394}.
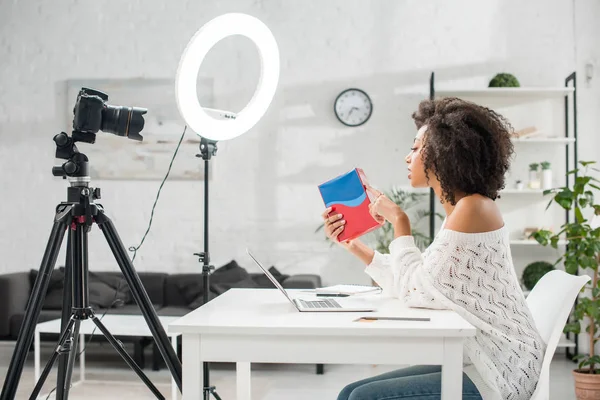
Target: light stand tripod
{"x": 78, "y": 214}
{"x": 208, "y": 148}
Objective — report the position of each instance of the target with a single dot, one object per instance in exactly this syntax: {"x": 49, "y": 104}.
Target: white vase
{"x": 519, "y": 186}
{"x": 534, "y": 180}
{"x": 546, "y": 179}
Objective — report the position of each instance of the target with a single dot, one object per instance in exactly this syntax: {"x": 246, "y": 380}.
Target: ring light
{"x": 189, "y": 65}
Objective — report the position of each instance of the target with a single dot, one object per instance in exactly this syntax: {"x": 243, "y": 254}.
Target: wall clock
{"x": 353, "y": 107}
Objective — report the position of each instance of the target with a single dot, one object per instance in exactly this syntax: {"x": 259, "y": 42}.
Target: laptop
{"x": 324, "y": 304}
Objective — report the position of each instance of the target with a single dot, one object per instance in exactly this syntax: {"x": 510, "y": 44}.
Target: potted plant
{"x": 533, "y": 272}
{"x": 504, "y": 79}
{"x": 534, "y": 179}
{"x": 519, "y": 184}
{"x": 546, "y": 175}
{"x": 581, "y": 251}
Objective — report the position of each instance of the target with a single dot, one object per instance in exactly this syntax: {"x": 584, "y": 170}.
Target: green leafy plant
{"x": 581, "y": 251}
{"x": 406, "y": 200}
{"x": 504, "y": 79}
{"x": 533, "y": 166}
{"x": 545, "y": 165}
{"x": 534, "y": 271}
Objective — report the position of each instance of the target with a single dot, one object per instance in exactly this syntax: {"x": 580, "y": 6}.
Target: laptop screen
{"x": 271, "y": 278}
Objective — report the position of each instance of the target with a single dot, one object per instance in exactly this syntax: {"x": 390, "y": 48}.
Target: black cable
{"x": 136, "y": 248}
{"x": 116, "y": 301}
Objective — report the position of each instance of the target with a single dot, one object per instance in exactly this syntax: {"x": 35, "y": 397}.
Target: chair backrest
{"x": 550, "y": 303}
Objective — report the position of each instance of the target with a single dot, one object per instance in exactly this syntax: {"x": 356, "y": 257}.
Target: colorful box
{"x": 346, "y": 194}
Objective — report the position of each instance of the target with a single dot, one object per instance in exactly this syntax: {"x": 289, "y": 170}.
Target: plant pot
{"x": 534, "y": 180}
{"x": 587, "y": 386}
{"x": 546, "y": 179}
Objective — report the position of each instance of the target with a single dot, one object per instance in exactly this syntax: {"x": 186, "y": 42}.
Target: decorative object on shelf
{"x": 407, "y": 201}
{"x": 533, "y": 273}
{"x": 546, "y": 175}
{"x": 525, "y": 133}
{"x": 519, "y": 184}
{"x": 534, "y": 176}
{"x": 529, "y": 231}
{"x": 582, "y": 251}
{"x": 353, "y": 107}
{"x": 504, "y": 79}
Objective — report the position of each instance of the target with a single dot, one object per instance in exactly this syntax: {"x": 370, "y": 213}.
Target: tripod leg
{"x": 59, "y": 348}
{"x": 34, "y": 305}
{"x": 71, "y": 361}
{"x": 119, "y": 348}
{"x": 66, "y": 313}
{"x": 140, "y": 296}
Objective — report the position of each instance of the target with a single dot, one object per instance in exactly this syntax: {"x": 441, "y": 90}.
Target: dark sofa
{"x": 171, "y": 294}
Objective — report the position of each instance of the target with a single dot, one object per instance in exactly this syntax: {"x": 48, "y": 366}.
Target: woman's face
{"x": 416, "y": 170}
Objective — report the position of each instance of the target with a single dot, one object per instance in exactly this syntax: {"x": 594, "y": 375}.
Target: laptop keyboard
{"x": 327, "y": 303}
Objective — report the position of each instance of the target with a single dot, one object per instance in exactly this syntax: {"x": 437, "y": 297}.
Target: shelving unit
{"x": 510, "y": 97}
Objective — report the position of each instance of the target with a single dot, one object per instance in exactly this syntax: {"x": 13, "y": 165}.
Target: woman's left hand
{"x": 382, "y": 208}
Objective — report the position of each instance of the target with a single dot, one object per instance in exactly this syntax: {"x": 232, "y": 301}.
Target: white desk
{"x": 118, "y": 325}
{"x": 260, "y": 325}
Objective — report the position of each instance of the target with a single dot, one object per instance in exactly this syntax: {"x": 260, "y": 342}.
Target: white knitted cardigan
{"x": 472, "y": 274}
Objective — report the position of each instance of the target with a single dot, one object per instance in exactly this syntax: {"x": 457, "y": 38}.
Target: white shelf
{"x": 562, "y": 140}
{"x": 537, "y": 192}
{"x": 538, "y": 93}
{"x": 531, "y": 242}
{"x": 564, "y": 342}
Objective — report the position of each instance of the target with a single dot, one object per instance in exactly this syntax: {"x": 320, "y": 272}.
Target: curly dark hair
{"x": 466, "y": 146}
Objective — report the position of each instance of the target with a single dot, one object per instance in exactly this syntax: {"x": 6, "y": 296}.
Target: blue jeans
{"x": 420, "y": 382}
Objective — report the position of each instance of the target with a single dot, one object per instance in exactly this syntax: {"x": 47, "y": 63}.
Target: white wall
{"x": 264, "y": 190}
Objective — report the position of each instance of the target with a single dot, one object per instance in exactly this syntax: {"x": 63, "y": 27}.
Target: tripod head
{"x": 76, "y": 165}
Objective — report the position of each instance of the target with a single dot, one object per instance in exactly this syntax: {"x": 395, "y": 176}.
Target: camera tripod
{"x": 78, "y": 214}
{"x": 208, "y": 148}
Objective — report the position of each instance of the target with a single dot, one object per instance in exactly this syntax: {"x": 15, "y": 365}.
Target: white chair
{"x": 550, "y": 303}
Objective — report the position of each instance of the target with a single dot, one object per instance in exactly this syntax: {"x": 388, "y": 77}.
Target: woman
{"x": 462, "y": 152}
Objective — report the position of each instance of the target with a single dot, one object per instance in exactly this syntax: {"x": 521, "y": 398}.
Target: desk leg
{"x": 174, "y": 389}
{"x": 36, "y": 350}
{"x": 192, "y": 367}
{"x": 452, "y": 369}
{"x": 243, "y": 380}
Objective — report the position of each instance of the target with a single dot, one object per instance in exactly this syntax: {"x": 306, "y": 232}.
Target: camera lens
{"x": 123, "y": 121}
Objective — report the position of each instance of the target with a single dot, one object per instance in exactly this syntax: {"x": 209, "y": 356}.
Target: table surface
{"x": 268, "y": 312}
{"x": 118, "y": 325}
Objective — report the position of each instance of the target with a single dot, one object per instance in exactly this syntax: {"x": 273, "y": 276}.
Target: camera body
{"x": 92, "y": 113}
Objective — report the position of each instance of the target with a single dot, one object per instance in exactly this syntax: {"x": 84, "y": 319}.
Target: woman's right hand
{"x": 334, "y": 226}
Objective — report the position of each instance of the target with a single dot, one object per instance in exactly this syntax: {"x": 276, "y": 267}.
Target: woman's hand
{"x": 334, "y": 226}
{"x": 383, "y": 209}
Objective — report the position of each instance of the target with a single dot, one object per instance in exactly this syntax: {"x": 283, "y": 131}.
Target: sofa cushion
{"x": 186, "y": 290}
{"x": 181, "y": 289}
{"x": 54, "y": 294}
{"x": 199, "y": 300}
{"x": 264, "y": 282}
{"x": 104, "y": 289}
{"x": 229, "y": 276}
{"x": 17, "y": 319}
{"x": 153, "y": 282}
